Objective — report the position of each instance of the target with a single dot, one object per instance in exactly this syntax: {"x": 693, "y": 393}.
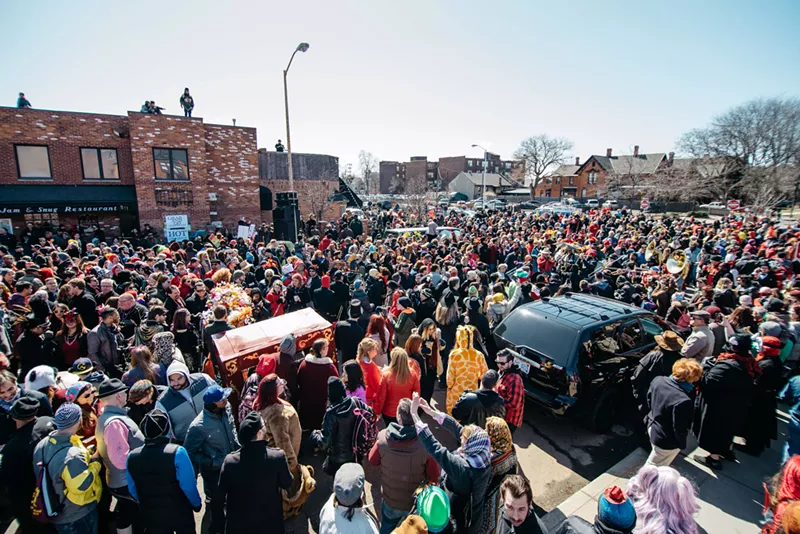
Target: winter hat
{"x": 288, "y": 345}
{"x": 40, "y": 377}
{"x": 615, "y": 509}
{"x": 139, "y": 391}
{"x": 472, "y": 291}
{"x": 336, "y": 391}
{"x": 413, "y": 524}
{"x": 155, "y": 424}
{"x": 374, "y": 273}
{"x": 775, "y": 305}
{"x": 357, "y": 285}
{"x": 498, "y": 297}
{"x": 746, "y": 300}
{"x": 405, "y": 302}
{"x": 164, "y": 347}
{"x": 434, "y": 508}
{"x": 266, "y": 365}
{"x": 67, "y": 415}
{"x": 177, "y": 367}
{"x": 24, "y": 408}
{"x": 74, "y": 391}
{"x": 770, "y": 328}
{"x": 249, "y": 427}
{"x": 326, "y": 281}
{"x": 348, "y": 484}
{"x": 96, "y": 377}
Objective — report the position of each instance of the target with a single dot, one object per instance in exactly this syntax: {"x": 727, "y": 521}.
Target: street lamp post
{"x": 302, "y": 47}
{"x": 483, "y": 177}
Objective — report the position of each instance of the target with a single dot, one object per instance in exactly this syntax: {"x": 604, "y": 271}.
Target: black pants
{"x": 127, "y": 509}
{"x": 187, "y": 112}
{"x": 512, "y": 428}
{"x": 388, "y": 420}
{"x": 427, "y": 385}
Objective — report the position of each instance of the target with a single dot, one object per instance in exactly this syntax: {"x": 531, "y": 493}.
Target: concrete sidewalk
{"x": 730, "y": 499}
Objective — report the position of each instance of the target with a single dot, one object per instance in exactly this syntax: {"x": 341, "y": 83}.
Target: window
{"x": 558, "y": 179}
{"x": 547, "y": 192}
{"x": 583, "y": 192}
{"x": 508, "y": 164}
{"x": 99, "y": 164}
{"x": 33, "y": 162}
{"x": 593, "y": 177}
{"x": 171, "y": 163}
{"x": 571, "y": 180}
{"x": 174, "y": 198}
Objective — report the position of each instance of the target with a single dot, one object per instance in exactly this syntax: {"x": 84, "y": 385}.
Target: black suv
{"x": 576, "y": 352}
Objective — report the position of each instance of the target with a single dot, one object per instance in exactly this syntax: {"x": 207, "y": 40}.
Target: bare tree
{"x": 760, "y": 140}
{"x": 367, "y": 164}
{"x": 416, "y": 190}
{"x": 628, "y": 179}
{"x": 356, "y": 183}
{"x": 318, "y": 197}
{"x": 693, "y": 179}
{"x": 540, "y": 153}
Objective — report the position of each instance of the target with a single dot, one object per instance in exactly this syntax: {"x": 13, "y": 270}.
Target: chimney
{"x": 608, "y": 152}
{"x": 671, "y": 156}
{"x": 636, "y": 151}
{"x": 578, "y": 161}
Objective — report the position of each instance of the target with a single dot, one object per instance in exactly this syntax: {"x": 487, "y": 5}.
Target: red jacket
{"x": 372, "y": 381}
{"x": 390, "y": 392}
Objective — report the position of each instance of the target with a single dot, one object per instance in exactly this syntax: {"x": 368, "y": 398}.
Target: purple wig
{"x": 664, "y": 500}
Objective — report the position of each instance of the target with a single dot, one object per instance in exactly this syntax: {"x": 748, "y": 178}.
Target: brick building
{"x": 121, "y": 172}
{"x": 590, "y": 179}
{"x": 439, "y": 174}
{"x": 316, "y": 180}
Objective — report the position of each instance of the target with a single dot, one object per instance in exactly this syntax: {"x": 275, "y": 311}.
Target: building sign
{"x": 176, "y": 227}
{"x": 25, "y": 210}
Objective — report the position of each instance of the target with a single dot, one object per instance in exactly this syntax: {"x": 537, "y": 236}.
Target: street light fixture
{"x": 302, "y": 47}
{"x": 483, "y": 179}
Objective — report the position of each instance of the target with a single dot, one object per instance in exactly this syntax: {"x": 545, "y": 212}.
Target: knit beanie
{"x": 249, "y": 427}
{"x": 67, "y": 415}
{"x": 326, "y": 281}
{"x": 74, "y": 391}
{"x": 615, "y": 509}
{"x": 288, "y": 345}
{"x": 155, "y": 424}
{"x": 266, "y": 365}
{"x": 336, "y": 390}
{"x": 139, "y": 391}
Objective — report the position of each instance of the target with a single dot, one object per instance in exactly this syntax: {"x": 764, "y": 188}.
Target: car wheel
{"x": 605, "y": 411}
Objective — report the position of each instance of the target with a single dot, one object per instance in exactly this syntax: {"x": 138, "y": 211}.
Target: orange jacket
{"x": 372, "y": 381}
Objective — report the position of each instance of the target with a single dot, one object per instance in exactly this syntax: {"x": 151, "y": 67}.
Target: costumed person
{"x": 504, "y": 462}
{"x": 762, "y": 422}
{"x": 783, "y": 492}
{"x": 725, "y": 394}
{"x": 615, "y": 515}
{"x": 466, "y": 367}
{"x": 664, "y": 501}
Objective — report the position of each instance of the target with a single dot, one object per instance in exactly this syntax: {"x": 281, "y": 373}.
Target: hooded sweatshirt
{"x": 183, "y": 405}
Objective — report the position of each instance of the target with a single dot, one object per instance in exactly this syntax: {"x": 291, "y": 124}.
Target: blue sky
{"x": 409, "y": 78}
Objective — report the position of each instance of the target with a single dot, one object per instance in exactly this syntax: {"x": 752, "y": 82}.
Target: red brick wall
{"x": 582, "y": 179}
{"x": 232, "y": 166}
{"x": 65, "y": 133}
{"x": 450, "y": 167}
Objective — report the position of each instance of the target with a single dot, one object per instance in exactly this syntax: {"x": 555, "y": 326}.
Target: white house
{"x": 470, "y": 184}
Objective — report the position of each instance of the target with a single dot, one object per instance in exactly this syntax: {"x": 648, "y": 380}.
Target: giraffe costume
{"x": 465, "y": 367}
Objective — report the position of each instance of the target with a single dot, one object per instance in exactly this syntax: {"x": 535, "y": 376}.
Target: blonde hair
{"x": 366, "y": 346}
{"x": 221, "y": 276}
{"x": 399, "y": 365}
{"x": 687, "y": 370}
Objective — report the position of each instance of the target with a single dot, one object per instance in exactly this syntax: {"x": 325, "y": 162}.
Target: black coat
{"x": 341, "y": 296}
{"x": 15, "y": 469}
{"x": 325, "y": 303}
{"x": 33, "y": 350}
{"x": 87, "y": 309}
{"x": 762, "y": 423}
{"x": 336, "y": 436}
{"x": 475, "y": 406}
{"x": 297, "y": 298}
{"x": 532, "y": 525}
{"x": 670, "y": 416}
{"x": 657, "y": 362}
{"x": 426, "y": 309}
{"x": 721, "y": 408}
{"x": 347, "y": 335}
{"x": 195, "y": 304}
{"x": 577, "y": 525}
{"x": 249, "y": 491}
{"x": 376, "y": 291}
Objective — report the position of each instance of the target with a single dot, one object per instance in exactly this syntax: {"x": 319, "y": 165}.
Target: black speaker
{"x": 285, "y": 216}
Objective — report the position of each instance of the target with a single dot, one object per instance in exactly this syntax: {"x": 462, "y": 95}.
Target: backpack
{"x": 365, "y": 431}
{"x": 45, "y": 503}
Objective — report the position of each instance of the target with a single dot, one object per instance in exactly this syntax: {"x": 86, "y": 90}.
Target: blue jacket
{"x": 210, "y": 438}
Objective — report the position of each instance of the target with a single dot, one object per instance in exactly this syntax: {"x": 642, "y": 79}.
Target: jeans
{"x": 792, "y": 445}
{"x": 390, "y": 518}
{"x": 85, "y": 525}
{"x": 187, "y": 112}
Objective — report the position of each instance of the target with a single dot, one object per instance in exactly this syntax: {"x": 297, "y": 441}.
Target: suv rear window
{"x": 550, "y": 338}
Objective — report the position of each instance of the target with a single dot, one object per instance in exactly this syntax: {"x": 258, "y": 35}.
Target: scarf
{"x": 747, "y": 362}
{"x": 477, "y": 450}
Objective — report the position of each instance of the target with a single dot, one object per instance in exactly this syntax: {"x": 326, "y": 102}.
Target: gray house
{"x": 470, "y": 184}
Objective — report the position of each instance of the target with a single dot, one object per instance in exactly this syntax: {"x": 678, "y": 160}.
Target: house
{"x": 602, "y": 175}
{"x": 471, "y": 184}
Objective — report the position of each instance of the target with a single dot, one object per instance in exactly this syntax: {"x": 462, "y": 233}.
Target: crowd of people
{"x": 110, "y": 382}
